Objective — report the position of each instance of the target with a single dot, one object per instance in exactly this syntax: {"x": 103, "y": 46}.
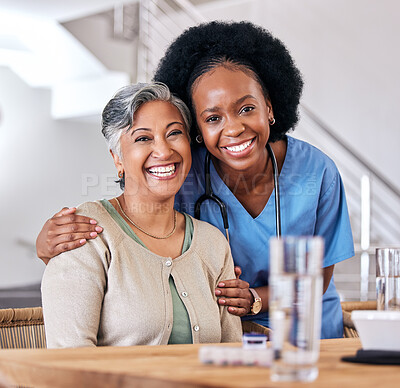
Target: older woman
{"x": 150, "y": 277}
{"x": 243, "y": 89}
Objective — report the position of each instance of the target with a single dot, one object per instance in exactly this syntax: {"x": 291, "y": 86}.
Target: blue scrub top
{"x": 313, "y": 202}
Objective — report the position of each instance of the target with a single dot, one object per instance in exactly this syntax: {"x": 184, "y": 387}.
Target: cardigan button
{"x": 184, "y": 294}
{"x": 168, "y": 263}
{"x": 196, "y": 328}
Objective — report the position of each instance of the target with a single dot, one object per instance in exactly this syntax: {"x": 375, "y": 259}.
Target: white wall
{"x": 96, "y": 34}
{"x": 43, "y": 167}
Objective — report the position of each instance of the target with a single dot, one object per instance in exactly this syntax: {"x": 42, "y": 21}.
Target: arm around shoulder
{"x": 63, "y": 232}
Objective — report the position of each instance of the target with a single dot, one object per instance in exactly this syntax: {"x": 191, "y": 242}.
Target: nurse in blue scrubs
{"x": 243, "y": 89}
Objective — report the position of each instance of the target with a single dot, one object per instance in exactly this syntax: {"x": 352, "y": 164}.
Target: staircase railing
{"x": 373, "y": 202}
{"x": 356, "y": 155}
{"x": 161, "y": 21}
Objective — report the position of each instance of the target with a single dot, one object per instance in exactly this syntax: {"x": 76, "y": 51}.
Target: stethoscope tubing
{"x": 277, "y": 191}
{"x": 209, "y": 194}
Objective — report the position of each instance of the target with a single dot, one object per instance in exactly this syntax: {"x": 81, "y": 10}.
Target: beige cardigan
{"x": 113, "y": 291}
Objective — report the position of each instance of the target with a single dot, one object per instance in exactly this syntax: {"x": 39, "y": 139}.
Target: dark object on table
{"x": 377, "y": 357}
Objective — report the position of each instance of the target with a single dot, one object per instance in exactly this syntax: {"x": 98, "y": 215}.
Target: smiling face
{"x": 155, "y": 152}
{"x": 232, "y": 114}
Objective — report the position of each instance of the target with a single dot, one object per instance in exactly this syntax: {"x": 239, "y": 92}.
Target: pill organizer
{"x": 254, "y": 352}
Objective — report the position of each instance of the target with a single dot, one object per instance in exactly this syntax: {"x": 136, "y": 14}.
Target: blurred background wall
{"x": 52, "y": 157}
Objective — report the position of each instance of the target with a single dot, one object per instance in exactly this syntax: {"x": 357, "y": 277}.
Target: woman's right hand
{"x": 63, "y": 232}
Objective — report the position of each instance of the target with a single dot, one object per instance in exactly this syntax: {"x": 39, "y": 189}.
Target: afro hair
{"x": 241, "y": 43}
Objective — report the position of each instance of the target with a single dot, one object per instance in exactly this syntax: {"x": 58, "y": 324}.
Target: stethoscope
{"x": 209, "y": 194}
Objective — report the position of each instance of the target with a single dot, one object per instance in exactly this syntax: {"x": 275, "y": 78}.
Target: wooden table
{"x": 176, "y": 366}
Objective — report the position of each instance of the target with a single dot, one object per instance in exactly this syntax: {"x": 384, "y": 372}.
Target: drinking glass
{"x": 388, "y": 278}
{"x": 295, "y": 286}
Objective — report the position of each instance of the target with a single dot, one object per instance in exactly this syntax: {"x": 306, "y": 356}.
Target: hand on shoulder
{"x": 63, "y": 232}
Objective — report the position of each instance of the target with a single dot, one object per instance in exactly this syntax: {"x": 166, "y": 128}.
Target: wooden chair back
{"x": 253, "y": 327}
{"x": 22, "y": 328}
{"x": 349, "y": 330}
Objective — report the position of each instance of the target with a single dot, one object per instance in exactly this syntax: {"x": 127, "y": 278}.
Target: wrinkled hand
{"x": 63, "y": 232}
{"x": 235, "y": 294}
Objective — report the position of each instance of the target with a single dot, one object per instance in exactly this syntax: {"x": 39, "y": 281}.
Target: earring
{"x": 272, "y": 121}
{"x": 199, "y": 139}
{"x": 120, "y": 174}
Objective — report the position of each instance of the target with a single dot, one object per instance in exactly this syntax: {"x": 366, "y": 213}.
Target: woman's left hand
{"x": 235, "y": 294}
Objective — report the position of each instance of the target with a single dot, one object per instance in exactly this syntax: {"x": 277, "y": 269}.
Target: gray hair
{"x": 119, "y": 113}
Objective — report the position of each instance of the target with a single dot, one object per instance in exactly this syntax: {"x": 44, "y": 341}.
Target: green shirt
{"x": 181, "y": 329}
